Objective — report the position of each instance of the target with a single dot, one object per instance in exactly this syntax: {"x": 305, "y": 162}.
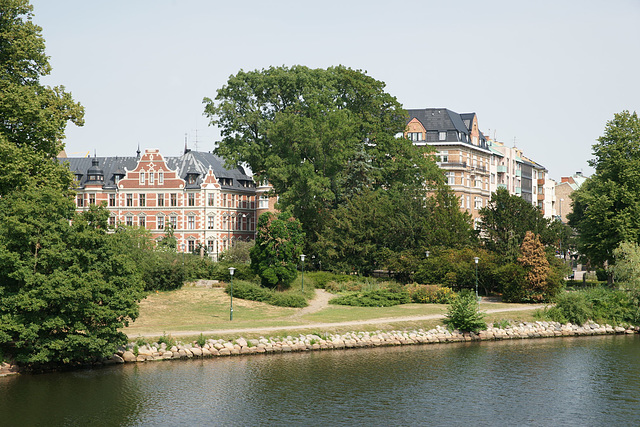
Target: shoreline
{"x": 211, "y": 348}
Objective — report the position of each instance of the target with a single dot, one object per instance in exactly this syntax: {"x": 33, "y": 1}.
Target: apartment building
{"x": 462, "y": 152}
{"x": 206, "y": 204}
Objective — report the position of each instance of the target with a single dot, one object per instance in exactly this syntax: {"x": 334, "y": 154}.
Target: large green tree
{"x": 318, "y": 135}
{"x": 33, "y": 117}
{"x": 505, "y": 222}
{"x": 606, "y": 208}
{"x": 66, "y": 286}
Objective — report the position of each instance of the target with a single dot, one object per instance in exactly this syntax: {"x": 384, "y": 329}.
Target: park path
{"x": 318, "y": 303}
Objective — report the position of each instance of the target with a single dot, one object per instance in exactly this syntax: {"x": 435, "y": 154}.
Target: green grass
{"x": 192, "y": 309}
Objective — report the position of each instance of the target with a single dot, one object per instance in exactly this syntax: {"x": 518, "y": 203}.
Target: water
{"x": 554, "y": 382}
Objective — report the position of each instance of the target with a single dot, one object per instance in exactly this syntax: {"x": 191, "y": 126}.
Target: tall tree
{"x": 313, "y": 132}
{"x": 66, "y": 287}
{"x": 606, "y": 208}
{"x": 505, "y": 222}
{"x": 33, "y": 116}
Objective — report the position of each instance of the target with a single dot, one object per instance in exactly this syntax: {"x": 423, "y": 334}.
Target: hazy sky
{"x": 548, "y": 74}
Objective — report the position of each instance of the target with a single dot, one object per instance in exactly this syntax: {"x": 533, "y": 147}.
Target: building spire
{"x": 138, "y": 152}
{"x": 186, "y": 150}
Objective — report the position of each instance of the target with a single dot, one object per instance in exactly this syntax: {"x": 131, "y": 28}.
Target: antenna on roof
{"x": 514, "y": 142}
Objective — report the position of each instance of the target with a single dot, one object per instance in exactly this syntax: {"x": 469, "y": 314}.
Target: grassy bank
{"x": 192, "y": 309}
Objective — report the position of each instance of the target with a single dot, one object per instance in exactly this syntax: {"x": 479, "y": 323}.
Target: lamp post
{"x": 302, "y": 259}
{"x": 183, "y": 263}
{"x": 427, "y": 253}
{"x": 476, "y": 259}
{"x": 231, "y": 271}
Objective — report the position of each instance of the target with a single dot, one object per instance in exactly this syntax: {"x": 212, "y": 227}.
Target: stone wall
{"x": 133, "y": 353}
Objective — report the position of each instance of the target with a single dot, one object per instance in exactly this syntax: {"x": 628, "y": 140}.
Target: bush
{"x": 430, "y": 294}
{"x": 322, "y": 278}
{"x": 254, "y": 292}
{"x": 570, "y": 307}
{"x": 376, "y": 298}
{"x": 464, "y": 314}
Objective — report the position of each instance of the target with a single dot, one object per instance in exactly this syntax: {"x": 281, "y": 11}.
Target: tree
{"x": 319, "y": 136}
{"x": 66, "y": 286}
{"x": 34, "y": 116}
{"x": 278, "y": 245}
{"x": 464, "y": 313}
{"x": 606, "y": 208}
{"x": 505, "y": 222}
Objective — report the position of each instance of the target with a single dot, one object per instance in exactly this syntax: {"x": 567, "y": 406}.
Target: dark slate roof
{"x": 190, "y": 162}
{"x": 443, "y": 120}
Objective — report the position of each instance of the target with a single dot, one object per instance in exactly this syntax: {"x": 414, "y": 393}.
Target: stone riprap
{"x": 241, "y": 346}
{"x": 133, "y": 353}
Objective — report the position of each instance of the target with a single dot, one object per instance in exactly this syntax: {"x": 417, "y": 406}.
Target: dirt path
{"x": 317, "y": 304}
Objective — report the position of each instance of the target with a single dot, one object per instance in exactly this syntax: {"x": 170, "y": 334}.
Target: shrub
{"x": 201, "y": 340}
{"x": 464, "y": 314}
{"x": 322, "y": 278}
{"x": 167, "y": 339}
{"x": 376, "y": 298}
{"x": 570, "y": 307}
{"x": 430, "y": 294}
{"x": 254, "y": 292}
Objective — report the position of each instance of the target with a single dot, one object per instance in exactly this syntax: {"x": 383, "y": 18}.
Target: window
{"x": 173, "y": 220}
{"x": 160, "y": 177}
{"x": 191, "y": 245}
{"x": 211, "y": 222}
{"x": 151, "y": 177}
{"x": 211, "y": 246}
{"x": 80, "y": 200}
{"x": 129, "y": 199}
{"x": 493, "y": 178}
{"x": 468, "y": 202}
{"x": 244, "y": 222}
{"x": 112, "y": 221}
{"x": 444, "y": 157}
{"x": 191, "y": 222}
{"x": 414, "y": 136}
{"x": 142, "y": 176}
{"x": 142, "y": 199}
{"x": 142, "y": 221}
{"x": 191, "y": 197}
{"x": 232, "y": 201}
{"x": 224, "y": 200}
{"x": 451, "y": 178}
{"x": 160, "y": 222}
{"x": 92, "y": 199}
{"x": 477, "y": 203}
{"x": 160, "y": 199}
{"x": 112, "y": 199}
{"x": 477, "y": 182}
{"x": 174, "y": 199}
{"x": 263, "y": 202}
{"x": 211, "y": 199}
{"x": 442, "y": 136}
{"x": 129, "y": 220}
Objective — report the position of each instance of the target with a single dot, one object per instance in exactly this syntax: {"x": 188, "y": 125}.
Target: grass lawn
{"x": 207, "y": 309}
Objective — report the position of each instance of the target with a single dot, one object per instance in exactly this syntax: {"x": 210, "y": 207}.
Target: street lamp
{"x": 476, "y": 259}
{"x": 183, "y": 263}
{"x": 231, "y": 271}
{"x": 427, "y": 253}
{"x": 302, "y": 259}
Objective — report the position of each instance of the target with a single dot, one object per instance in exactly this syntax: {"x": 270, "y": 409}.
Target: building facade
{"x": 461, "y": 149}
{"x": 204, "y": 203}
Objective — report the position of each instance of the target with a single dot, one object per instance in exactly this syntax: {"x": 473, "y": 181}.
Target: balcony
{"x": 540, "y": 182}
{"x": 453, "y": 165}
{"x": 518, "y": 172}
{"x": 502, "y": 168}
{"x": 502, "y": 186}
{"x": 518, "y": 190}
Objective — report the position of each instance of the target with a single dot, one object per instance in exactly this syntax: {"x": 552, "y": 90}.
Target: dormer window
{"x": 192, "y": 178}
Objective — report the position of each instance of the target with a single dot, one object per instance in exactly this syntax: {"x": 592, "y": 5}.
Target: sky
{"x": 543, "y": 75}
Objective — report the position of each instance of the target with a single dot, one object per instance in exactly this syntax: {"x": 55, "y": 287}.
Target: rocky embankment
{"x": 134, "y": 353}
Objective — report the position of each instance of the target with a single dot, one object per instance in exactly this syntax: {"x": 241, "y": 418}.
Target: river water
{"x": 592, "y": 381}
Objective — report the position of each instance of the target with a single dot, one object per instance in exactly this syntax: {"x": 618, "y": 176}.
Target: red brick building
{"x": 205, "y": 203}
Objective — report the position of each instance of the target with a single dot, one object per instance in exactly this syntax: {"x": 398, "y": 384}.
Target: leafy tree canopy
{"x": 507, "y": 219}
{"x": 33, "y": 116}
{"x": 66, "y": 286}
{"x": 318, "y": 136}
{"x": 606, "y": 208}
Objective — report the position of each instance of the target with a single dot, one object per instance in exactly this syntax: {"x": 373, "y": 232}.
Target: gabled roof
{"x": 190, "y": 162}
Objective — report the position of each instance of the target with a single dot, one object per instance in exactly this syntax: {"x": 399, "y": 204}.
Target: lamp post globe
{"x": 302, "y": 257}
{"x": 476, "y": 259}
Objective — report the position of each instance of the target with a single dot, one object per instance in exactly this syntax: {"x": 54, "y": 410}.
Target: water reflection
{"x": 585, "y": 381}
